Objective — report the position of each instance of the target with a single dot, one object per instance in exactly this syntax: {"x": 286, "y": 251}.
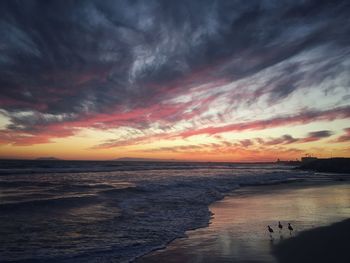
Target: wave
{"x": 51, "y": 203}
{"x": 154, "y": 214}
{"x": 153, "y": 209}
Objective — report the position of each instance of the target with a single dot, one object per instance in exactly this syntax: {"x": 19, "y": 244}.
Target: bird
{"x": 280, "y": 226}
{"x": 270, "y": 230}
{"x": 290, "y": 228}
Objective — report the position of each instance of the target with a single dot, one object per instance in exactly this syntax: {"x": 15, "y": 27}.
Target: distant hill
{"x": 133, "y": 159}
{"x": 47, "y": 159}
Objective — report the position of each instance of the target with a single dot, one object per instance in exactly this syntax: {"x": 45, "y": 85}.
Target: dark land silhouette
{"x": 332, "y": 165}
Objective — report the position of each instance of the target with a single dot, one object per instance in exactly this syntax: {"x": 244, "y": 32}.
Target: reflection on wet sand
{"x": 238, "y": 230}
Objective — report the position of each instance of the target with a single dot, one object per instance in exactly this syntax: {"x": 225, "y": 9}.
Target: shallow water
{"x": 238, "y": 233}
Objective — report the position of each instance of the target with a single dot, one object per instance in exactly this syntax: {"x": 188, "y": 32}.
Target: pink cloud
{"x": 303, "y": 118}
{"x": 345, "y": 137}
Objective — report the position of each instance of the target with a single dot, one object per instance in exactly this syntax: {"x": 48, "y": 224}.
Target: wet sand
{"x": 321, "y": 245}
{"x": 237, "y": 231}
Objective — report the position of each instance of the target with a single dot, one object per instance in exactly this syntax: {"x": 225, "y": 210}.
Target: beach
{"x": 328, "y": 244}
{"x": 238, "y": 233}
{"x": 84, "y": 212}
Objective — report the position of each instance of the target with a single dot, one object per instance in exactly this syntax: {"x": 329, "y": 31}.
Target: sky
{"x": 194, "y": 80}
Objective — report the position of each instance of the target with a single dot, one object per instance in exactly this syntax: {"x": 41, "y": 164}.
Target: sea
{"x": 111, "y": 211}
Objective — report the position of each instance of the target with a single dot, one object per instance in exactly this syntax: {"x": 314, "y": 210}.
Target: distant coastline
{"x": 134, "y": 159}
{"x": 48, "y": 159}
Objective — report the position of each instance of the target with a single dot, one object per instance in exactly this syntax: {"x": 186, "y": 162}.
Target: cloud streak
{"x": 171, "y": 69}
{"x": 303, "y": 118}
{"x": 289, "y": 139}
{"x": 345, "y": 137}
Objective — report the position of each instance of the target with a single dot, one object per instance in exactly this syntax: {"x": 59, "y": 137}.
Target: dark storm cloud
{"x": 69, "y": 59}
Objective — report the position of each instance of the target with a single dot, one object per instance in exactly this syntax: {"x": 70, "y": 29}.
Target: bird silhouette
{"x": 290, "y": 228}
{"x": 280, "y": 226}
{"x": 270, "y": 231}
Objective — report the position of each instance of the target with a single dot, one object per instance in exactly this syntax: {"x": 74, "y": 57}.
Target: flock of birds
{"x": 280, "y": 226}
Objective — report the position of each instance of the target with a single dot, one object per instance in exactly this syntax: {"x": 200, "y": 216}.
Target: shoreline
{"x": 280, "y": 185}
{"x": 243, "y": 191}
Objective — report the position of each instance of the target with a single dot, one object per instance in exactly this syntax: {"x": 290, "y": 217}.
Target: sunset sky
{"x": 189, "y": 80}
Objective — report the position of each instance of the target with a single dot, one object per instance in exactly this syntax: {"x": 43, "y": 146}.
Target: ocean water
{"x": 65, "y": 211}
